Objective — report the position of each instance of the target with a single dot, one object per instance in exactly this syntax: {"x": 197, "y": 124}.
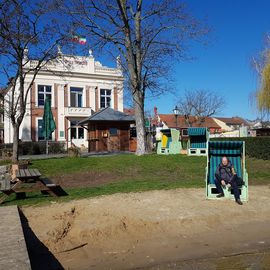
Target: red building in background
{"x": 182, "y": 123}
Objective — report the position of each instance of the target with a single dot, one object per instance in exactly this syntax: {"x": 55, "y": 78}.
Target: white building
{"x": 78, "y": 86}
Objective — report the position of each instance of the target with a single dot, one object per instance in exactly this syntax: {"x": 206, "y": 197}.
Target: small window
{"x": 80, "y": 133}
{"x": 113, "y": 131}
{"x": 184, "y": 132}
{"x": 44, "y": 91}
{"x": 105, "y": 98}
{"x": 76, "y": 97}
{"x": 75, "y": 131}
{"x": 133, "y": 132}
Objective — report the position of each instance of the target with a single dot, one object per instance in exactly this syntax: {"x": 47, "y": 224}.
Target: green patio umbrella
{"x": 48, "y": 125}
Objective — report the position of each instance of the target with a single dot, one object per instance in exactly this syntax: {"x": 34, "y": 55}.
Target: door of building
{"x": 77, "y": 134}
{"x": 113, "y": 140}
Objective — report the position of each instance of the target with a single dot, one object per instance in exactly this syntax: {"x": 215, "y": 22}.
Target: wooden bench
{"x": 28, "y": 174}
{"x": 28, "y": 180}
{"x": 48, "y": 182}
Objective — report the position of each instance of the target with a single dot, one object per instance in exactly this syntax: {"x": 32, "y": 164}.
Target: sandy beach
{"x": 168, "y": 229}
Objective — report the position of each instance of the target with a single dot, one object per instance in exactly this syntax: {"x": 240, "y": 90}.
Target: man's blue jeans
{"x": 234, "y": 186}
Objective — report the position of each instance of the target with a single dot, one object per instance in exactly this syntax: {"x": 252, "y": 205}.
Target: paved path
{"x": 85, "y": 154}
{"x": 13, "y": 251}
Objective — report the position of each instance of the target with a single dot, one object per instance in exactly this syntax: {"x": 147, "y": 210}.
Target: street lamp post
{"x": 176, "y": 112}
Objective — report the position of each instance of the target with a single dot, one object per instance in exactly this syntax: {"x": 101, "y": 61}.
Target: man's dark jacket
{"x": 224, "y": 172}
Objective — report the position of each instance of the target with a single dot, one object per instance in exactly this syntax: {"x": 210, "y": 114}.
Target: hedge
{"x": 35, "y": 148}
{"x": 256, "y": 147}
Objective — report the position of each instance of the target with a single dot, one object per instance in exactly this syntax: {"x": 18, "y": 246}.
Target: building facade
{"x": 78, "y": 86}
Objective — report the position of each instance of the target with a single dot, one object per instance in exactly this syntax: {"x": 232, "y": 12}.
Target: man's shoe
{"x": 239, "y": 202}
{"x": 220, "y": 195}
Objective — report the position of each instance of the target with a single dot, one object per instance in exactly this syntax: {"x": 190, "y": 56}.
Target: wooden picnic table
{"x": 25, "y": 175}
{"x": 28, "y": 180}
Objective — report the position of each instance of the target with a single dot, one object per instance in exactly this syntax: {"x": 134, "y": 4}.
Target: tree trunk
{"x": 140, "y": 123}
{"x": 15, "y": 148}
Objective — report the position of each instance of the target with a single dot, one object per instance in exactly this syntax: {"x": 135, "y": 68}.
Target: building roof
{"x": 233, "y": 120}
{"x": 223, "y": 125}
{"x": 108, "y": 114}
{"x": 169, "y": 120}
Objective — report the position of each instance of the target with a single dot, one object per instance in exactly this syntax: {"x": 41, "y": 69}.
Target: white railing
{"x": 75, "y": 64}
{"x": 107, "y": 70}
{"x": 224, "y": 135}
{"x": 78, "y": 111}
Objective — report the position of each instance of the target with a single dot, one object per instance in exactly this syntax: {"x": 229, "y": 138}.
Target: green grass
{"x": 4, "y": 162}
{"x": 130, "y": 167}
{"x": 149, "y": 172}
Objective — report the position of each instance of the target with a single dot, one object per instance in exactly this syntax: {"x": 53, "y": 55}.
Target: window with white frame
{"x": 44, "y": 91}
{"x": 40, "y": 131}
{"x": 75, "y": 131}
{"x": 76, "y": 94}
{"x": 184, "y": 132}
{"x": 105, "y": 98}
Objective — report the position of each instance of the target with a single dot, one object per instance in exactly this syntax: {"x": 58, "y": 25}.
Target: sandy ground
{"x": 173, "y": 229}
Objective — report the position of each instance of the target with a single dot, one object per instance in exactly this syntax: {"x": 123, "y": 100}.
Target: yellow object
{"x": 164, "y": 141}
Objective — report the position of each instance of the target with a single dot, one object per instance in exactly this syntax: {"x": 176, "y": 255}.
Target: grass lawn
{"x": 150, "y": 172}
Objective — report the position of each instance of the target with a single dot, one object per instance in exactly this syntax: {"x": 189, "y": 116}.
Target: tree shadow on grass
{"x": 40, "y": 256}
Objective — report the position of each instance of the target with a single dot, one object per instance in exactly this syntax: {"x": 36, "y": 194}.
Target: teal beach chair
{"x": 198, "y": 141}
{"x": 235, "y": 152}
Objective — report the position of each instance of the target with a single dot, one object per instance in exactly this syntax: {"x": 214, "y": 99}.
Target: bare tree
{"x": 148, "y": 35}
{"x": 27, "y": 31}
{"x": 198, "y": 104}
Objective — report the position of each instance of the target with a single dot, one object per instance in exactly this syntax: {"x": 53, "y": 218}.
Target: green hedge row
{"x": 35, "y": 148}
{"x": 256, "y": 147}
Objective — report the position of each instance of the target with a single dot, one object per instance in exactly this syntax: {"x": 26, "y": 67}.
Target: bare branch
{"x": 201, "y": 104}
{"x": 26, "y": 32}
{"x": 149, "y": 36}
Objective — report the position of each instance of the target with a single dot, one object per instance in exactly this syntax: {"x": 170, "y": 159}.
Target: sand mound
{"x": 125, "y": 231}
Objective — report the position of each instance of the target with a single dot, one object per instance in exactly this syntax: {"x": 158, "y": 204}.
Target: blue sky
{"x": 224, "y": 66}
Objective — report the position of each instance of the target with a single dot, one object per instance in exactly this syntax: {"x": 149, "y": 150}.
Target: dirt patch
{"x": 85, "y": 179}
{"x": 171, "y": 229}
{"x": 66, "y": 221}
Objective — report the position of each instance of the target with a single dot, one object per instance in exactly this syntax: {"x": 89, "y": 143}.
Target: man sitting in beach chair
{"x": 225, "y": 175}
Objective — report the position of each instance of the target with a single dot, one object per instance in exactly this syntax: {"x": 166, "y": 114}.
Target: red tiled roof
{"x": 169, "y": 120}
{"x": 233, "y": 120}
